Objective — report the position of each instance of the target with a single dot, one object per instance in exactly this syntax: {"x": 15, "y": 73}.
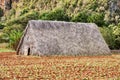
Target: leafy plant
{"x": 8, "y": 29}
{"x": 23, "y": 19}
{"x": 80, "y": 17}
{"x": 24, "y": 11}
{"x": 117, "y": 34}
{"x": 97, "y": 18}
{"x": 14, "y": 38}
{"x": 57, "y": 14}
{"x": 111, "y": 36}
{"x": 12, "y": 34}
{"x": 2, "y": 26}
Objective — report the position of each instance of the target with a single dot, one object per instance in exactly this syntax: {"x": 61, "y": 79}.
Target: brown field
{"x": 13, "y": 67}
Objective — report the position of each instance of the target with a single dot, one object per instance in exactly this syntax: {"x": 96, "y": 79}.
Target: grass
{"x": 6, "y": 50}
{"x": 13, "y": 67}
{"x": 3, "y": 48}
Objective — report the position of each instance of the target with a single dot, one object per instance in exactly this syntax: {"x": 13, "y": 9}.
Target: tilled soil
{"x": 17, "y": 67}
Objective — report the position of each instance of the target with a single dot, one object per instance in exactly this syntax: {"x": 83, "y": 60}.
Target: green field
{"x": 4, "y": 48}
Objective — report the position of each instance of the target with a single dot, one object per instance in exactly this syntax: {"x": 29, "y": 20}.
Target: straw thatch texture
{"x": 62, "y": 38}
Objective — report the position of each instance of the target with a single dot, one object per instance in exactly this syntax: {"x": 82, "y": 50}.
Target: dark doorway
{"x": 28, "y": 51}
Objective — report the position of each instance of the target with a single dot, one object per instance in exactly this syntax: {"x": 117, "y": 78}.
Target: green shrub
{"x": 8, "y": 29}
{"x": 57, "y": 14}
{"x": 94, "y": 5}
{"x": 24, "y": 11}
{"x": 110, "y": 37}
{"x": 116, "y": 29}
{"x": 86, "y": 16}
{"x": 33, "y": 15}
{"x": 3, "y": 38}
{"x": 80, "y": 17}
{"x": 14, "y": 38}
{"x": 117, "y": 34}
{"x": 13, "y": 28}
{"x": 97, "y": 18}
{"x": 2, "y": 26}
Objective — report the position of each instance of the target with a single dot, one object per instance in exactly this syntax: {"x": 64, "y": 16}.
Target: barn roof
{"x": 87, "y": 33}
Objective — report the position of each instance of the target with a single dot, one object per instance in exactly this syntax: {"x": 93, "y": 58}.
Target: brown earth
{"x": 17, "y": 67}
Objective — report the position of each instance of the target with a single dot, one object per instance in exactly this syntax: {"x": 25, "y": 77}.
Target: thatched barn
{"x": 61, "y": 38}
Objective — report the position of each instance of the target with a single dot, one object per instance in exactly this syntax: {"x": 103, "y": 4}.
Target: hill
{"x": 102, "y": 12}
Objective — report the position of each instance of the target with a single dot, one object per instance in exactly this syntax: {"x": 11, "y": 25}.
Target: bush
{"x": 8, "y": 29}
{"x": 80, "y": 17}
{"x": 2, "y": 26}
{"x": 86, "y": 16}
{"x": 116, "y": 30}
{"x": 14, "y": 38}
{"x": 117, "y": 34}
{"x": 57, "y": 14}
{"x": 110, "y": 37}
{"x": 24, "y": 11}
{"x": 33, "y": 15}
{"x": 13, "y": 28}
{"x": 97, "y": 18}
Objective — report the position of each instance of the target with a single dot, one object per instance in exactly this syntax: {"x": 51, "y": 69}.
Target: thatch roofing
{"x": 62, "y": 38}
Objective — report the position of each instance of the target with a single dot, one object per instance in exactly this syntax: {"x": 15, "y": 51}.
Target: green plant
{"x": 94, "y": 5}
{"x": 110, "y": 35}
{"x": 80, "y": 17}
{"x": 23, "y": 19}
{"x": 97, "y": 18}
{"x": 24, "y": 11}
{"x": 17, "y": 24}
{"x": 2, "y": 26}
{"x": 117, "y": 34}
{"x": 117, "y": 30}
{"x": 8, "y": 29}
{"x": 57, "y": 14}
{"x": 14, "y": 38}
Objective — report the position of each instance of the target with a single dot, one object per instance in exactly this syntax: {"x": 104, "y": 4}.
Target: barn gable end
{"x": 62, "y": 38}
{"x": 27, "y": 42}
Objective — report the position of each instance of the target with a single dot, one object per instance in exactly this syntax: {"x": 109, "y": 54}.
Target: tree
{"x": 1, "y": 12}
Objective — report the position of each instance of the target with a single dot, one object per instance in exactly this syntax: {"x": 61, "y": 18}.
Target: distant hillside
{"x": 104, "y": 13}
